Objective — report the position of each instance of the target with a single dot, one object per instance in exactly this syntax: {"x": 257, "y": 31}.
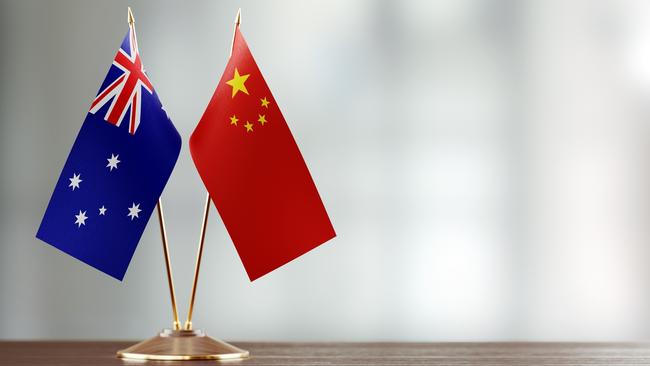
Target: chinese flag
{"x": 254, "y": 172}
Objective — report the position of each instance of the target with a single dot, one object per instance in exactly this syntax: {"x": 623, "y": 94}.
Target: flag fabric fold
{"x": 254, "y": 171}
{"x": 116, "y": 170}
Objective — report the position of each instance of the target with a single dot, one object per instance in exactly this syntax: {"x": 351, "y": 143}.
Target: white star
{"x": 112, "y": 161}
{"x": 133, "y": 211}
{"x": 102, "y": 210}
{"x": 74, "y": 181}
{"x": 81, "y": 218}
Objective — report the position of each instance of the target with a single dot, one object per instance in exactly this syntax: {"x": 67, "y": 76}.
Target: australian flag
{"x": 116, "y": 171}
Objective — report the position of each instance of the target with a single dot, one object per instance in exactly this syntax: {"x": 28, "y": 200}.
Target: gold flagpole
{"x": 197, "y": 267}
{"x": 206, "y": 211}
{"x": 168, "y": 265}
{"x": 183, "y": 344}
{"x": 161, "y": 222}
{"x": 234, "y": 30}
{"x": 130, "y": 17}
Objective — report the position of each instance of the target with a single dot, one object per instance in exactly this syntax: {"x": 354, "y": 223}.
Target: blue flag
{"x": 116, "y": 171}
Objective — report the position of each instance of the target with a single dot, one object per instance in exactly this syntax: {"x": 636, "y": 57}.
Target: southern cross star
{"x": 81, "y": 218}
{"x": 113, "y": 161}
{"x": 75, "y": 180}
{"x": 102, "y": 210}
{"x": 133, "y": 211}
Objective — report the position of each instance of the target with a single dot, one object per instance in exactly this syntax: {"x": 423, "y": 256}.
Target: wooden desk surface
{"x": 103, "y": 353}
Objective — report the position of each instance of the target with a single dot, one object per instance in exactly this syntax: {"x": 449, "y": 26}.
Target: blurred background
{"x": 485, "y": 164}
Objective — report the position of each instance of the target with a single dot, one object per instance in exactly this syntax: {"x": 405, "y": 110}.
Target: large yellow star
{"x": 233, "y": 120}
{"x": 262, "y": 119}
{"x": 249, "y": 126}
{"x": 237, "y": 83}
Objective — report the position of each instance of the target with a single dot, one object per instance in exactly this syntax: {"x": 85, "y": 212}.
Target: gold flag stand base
{"x": 182, "y": 345}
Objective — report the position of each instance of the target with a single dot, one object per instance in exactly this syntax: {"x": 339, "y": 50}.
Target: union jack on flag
{"x": 123, "y": 85}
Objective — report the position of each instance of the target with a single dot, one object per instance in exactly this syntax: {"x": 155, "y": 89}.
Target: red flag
{"x": 254, "y": 172}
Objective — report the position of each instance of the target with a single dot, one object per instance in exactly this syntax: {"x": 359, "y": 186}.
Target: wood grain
{"x": 103, "y": 353}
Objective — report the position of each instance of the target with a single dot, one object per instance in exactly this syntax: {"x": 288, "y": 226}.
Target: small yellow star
{"x": 237, "y": 83}
{"x": 262, "y": 119}
{"x": 265, "y": 102}
{"x": 233, "y": 120}
{"x": 249, "y": 126}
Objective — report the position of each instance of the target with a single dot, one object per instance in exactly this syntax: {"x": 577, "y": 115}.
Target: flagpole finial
{"x": 130, "y": 17}
{"x": 234, "y": 33}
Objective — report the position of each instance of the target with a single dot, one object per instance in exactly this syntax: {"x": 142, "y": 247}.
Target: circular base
{"x": 182, "y": 345}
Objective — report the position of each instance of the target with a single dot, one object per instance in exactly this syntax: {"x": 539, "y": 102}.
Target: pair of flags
{"x": 243, "y": 150}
